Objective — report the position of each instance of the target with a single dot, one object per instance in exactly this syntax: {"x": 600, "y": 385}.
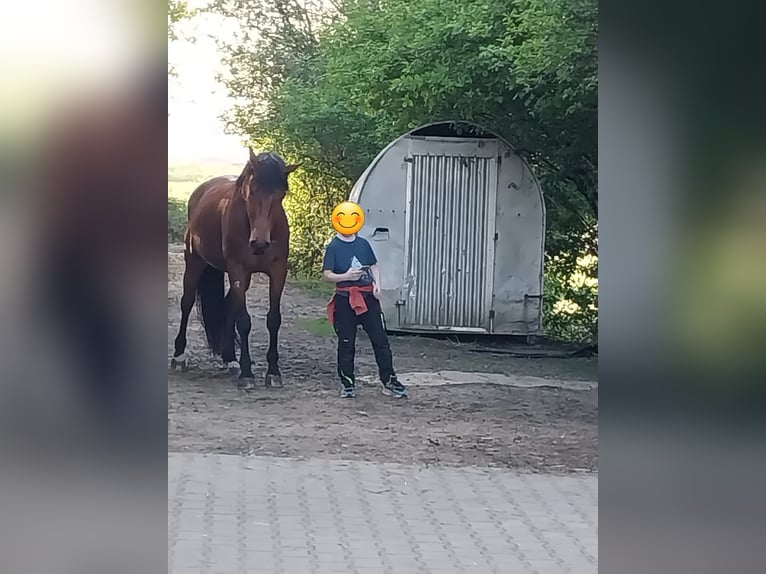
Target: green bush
{"x": 176, "y": 220}
{"x": 309, "y": 206}
{"x": 570, "y": 307}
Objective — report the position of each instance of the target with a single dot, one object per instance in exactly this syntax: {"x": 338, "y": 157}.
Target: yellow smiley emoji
{"x": 347, "y": 218}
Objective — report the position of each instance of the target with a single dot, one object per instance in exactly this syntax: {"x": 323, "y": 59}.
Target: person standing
{"x": 351, "y": 264}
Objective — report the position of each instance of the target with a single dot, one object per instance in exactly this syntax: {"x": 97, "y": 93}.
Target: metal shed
{"x": 457, "y": 220}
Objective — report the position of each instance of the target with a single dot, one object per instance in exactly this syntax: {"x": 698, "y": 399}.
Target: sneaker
{"x": 393, "y": 388}
{"x": 348, "y": 390}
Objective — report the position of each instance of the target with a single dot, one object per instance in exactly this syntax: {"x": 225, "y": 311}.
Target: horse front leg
{"x": 273, "y": 323}
{"x": 245, "y": 363}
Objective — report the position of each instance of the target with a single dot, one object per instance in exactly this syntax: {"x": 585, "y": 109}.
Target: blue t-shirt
{"x": 344, "y": 255}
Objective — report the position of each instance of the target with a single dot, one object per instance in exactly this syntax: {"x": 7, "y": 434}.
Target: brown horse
{"x": 236, "y": 226}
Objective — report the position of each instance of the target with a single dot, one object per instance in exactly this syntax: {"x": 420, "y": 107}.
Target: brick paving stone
{"x": 243, "y": 515}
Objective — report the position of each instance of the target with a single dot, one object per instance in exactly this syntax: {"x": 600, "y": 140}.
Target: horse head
{"x": 263, "y": 185}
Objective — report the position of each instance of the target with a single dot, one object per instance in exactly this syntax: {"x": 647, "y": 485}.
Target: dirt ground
{"x": 541, "y": 429}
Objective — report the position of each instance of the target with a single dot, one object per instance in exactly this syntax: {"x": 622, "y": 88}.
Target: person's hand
{"x": 376, "y": 291}
{"x": 353, "y": 274}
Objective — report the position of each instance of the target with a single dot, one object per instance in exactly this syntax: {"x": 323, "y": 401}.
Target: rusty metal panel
{"x": 450, "y": 257}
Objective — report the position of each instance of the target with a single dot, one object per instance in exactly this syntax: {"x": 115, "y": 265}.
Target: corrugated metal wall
{"x": 448, "y": 247}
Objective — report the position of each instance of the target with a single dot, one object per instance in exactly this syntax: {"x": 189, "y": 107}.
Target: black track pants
{"x": 373, "y": 323}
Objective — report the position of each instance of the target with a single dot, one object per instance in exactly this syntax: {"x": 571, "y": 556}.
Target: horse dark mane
{"x": 247, "y": 171}
{"x": 271, "y": 175}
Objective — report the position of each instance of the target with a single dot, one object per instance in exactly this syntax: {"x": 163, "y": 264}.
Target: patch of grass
{"x": 181, "y": 190}
{"x": 200, "y": 171}
{"x": 314, "y": 287}
{"x": 319, "y": 327}
{"x": 183, "y": 178}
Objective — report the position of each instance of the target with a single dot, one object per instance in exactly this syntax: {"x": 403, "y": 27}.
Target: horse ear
{"x": 291, "y": 167}
{"x": 253, "y": 158}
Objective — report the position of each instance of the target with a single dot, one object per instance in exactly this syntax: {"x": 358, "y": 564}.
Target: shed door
{"x": 451, "y": 191}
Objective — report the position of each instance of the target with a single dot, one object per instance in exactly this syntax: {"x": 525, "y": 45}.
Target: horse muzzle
{"x": 259, "y": 247}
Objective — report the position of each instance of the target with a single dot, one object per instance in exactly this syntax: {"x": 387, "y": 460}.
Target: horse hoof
{"x": 274, "y": 381}
{"x": 246, "y": 384}
{"x": 231, "y": 367}
{"x": 178, "y": 363}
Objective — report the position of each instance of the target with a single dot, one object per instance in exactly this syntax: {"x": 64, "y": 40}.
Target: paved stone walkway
{"x": 237, "y": 515}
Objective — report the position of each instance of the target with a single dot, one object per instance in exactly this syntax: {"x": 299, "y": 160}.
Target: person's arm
{"x": 350, "y": 275}
{"x": 375, "y": 271}
{"x": 329, "y": 264}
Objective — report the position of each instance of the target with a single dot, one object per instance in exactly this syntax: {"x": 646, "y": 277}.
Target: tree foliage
{"x": 331, "y": 86}
{"x": 178, "y": 11}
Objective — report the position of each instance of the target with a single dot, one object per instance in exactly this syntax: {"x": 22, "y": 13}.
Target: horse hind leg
{"x": 193, "y": 269}
{"x": 228, "y": 354}
{"x": 239, "y": 319}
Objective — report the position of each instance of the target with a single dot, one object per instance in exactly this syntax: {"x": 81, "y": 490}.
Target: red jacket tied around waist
{"x": 355, "y": 299}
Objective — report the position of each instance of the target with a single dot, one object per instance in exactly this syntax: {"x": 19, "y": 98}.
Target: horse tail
{"x": 212, "y": 307}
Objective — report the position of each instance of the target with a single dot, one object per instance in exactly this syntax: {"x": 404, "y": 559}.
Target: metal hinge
{"x": 495, "y": 237}
{"x": 408, "y": 159}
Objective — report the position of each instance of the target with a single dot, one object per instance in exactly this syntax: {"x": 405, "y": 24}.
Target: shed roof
{"x": 445, "y": 128}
